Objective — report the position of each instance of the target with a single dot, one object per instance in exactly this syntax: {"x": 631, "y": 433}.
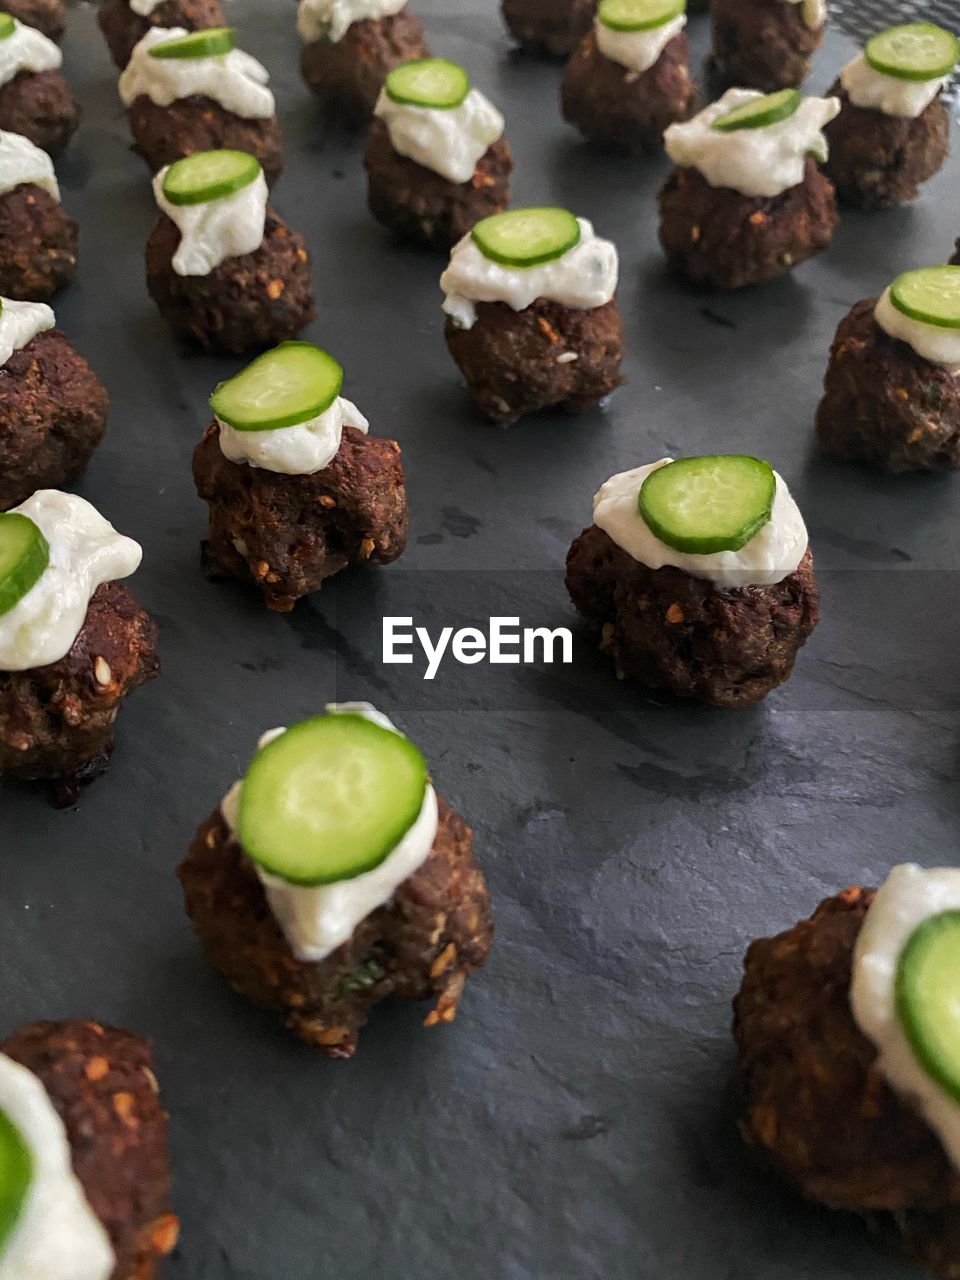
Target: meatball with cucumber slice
{"x": 766, "y": 44}
{"x": 548, "y": 28}
{"x": 698, "y": 577}
{"x": 297, "y": 489}
{"x": 38, "y": 239}
{"x": 35, "y": 100}
{"x": 124, "y": 23}
{"x": 320, "y": 901}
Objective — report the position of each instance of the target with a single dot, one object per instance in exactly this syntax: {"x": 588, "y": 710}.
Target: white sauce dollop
{"x": 769, "y": 557}
{"x": 755, "y": 162}
{"x": 22, "y": 162}
{"x": 871, "y": 89}
{"x": 637, "y": 50}
{"x": 909, "y": 896}
{"x": 450, "y": 143}
{"x": 300, "y": 450}
{"x": 219, "y": 229}
{"x": 814, "y": 12}
{"x": 85, "y": 551}
{"x": 145, "y": 7}
{"x": 57, "y": 1236}
{"x": 237, "y": 81}
{"x": 20, "y": 322}
{"x": 582, "y": 279}
{"x": 330, "y": 19}
{"x": 316, "y": 920}
{"x": 27, "y": 49}
{"x": 939, "y": 346}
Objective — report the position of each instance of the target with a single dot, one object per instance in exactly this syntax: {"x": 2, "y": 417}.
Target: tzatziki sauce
{"x": 235, "y": 80}
{"x": 938, "y": 345}
{"x": 27, "y": 49}
{"x": 300, "y": 450}
{"x": 637, "y": 50}
{"x": 891, "y": 95}
{"x": 218, "y": 229}
{"x": 22, "y": 162}
{"x": 20, "y": 323}
{"x": 450, "y": 142}
{"x": 331, "y": 19}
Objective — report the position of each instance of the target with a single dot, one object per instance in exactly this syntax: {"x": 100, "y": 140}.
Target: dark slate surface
{"x": 576, "y": 1121}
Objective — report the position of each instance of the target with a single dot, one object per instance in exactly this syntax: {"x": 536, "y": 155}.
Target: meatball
{"x": 38, "y": 245}
{"x": 48, "y": 16}
{"x": 518, "y": 362}
{"x": 53, "y": 414}
{"x": 624, "y": 109}
{"x": 885, "y": 405}
{"x": 56, "y": 722}
{"x": 878, "y": 160}
{"x": 423, "y": 944}
{"x": 123, "y": 29}
{"x": 717, "y": 236}
{"x": 347, "y": 75}
{"x": 251, "y": 301}
{"x": 101, "y": 1082}
{"x": 763, "y": 44}
{"x": 420, "y": 205}
{"x": 551, "y": 28}
{"x": 668, "y": 630}
{"x": 288, "y": 534}
{"x": 165, "y": 134}
{"x": 39, "y": 105}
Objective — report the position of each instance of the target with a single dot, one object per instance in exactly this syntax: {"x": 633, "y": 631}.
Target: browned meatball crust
{"x": 423, "y": 944}
{"x": 39, "y": 105}
{"x": 38, "y": 244}
{"x": 669, "y": 630}
{"x": 885, "y": 405}
{"x": 53, "y": 414}
{"x": 716, "y": 236}
{"x": 762, "y": 44}
{"x": 165, "y": 134}
{"x": 48, "y": 16}
{"x": 347, "y": 76}
{"x": 618, "y": 108}
{"x": 419, "y": 205}
{"x": 123, "y": 29}
{"x": 248, "y": 302}
{"x": 288, "y": 534}
{"x": 102, "y": 1084}
{"x": 551, "y": 28}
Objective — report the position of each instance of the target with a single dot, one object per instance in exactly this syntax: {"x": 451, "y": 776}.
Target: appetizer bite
{"x": 297, "y": 489}
{"x": 847, "y": 1031}
{"x": 226, "y": 271}
{"x": 748, "y": 201}
{"x": 124, "y": 23}
{"x": 550, "y": 28}
{"x": 532, "y": 317}
{"x": 53, "y": 407}
{"x": 893, "y": 132}
{"x": 436, "y": 159}
{"x": 84, "y": 1165}
{"x": 332, "y": 876}
{"x": 892, "y": 388}
{"x": 196, "y": 91}
{"x": 348, "y": 48}
{"x": 766, "y": 44}
{"x": 698, "y": 576}
{"x": 73, "y": 641}
{"x": 48, "y": 16}
{"x": 630, "y": 78}
{"x": 38, "y": 241}
{"x": 35, "y": 100}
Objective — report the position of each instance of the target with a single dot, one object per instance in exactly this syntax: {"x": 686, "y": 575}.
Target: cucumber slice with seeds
{"x": 428, "y": 82}
{"x": 930, "y": 295}
{"x": 16, "y": 1174}
{"x": 209, "y": 175}
{"x": 527, "y": 237}
{"x": 7, "y": 26}
{"x": 290, "y": 384}
{"x": 24, "y": 555}
{"x": 914, "y": 51}
{"x": 761, "y": 112}
{"x": 928, "y": 998}
{"x": 330, "y": 799}
{"x": 639, "y": 15}
{"x": 708, "y": 504}
{"x": 198, "y": 44}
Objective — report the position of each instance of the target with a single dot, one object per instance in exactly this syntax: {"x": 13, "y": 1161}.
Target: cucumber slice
{"x": 930, "y": 295}
{"x": 761, "y": 112}
{"x": 7, "y": 26}
{"x": 330, "y": 799}
{"x": 914, "y": 51}
{"x": 198, "y": 44}
{"x": 24, "y": 555}
{"x": 928, "y": 998}
{"x": 16, "y": 1173}
{"x": 209, "y": 175}
{"x": 708, "y": 504}
{"x": 639, "y": 15}
{"x": 428, "y": 82}
{"x": 292, "y": 383}
{"x": 527, "y": 237}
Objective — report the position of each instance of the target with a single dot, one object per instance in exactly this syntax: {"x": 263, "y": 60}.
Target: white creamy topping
{"x": 57, "y": 1236}
{"x": 939, "y": 346}
{"x": 814, "y": 12}
{"x": 219, "y": 229}
{"x": 330, "y": 19}
{"x": 755, "y": 162}
{"x": 20, "y": 322}
{"x": 448, "y": 142}
{"x": 909, "y": 896}
{"x": 769, "y": 557}
{"x": 637, "y": 50}
{"x": 27, "y": 50}
{"x": 871, "y": 89}
{"x": 85, "y": 551}
{"x": 145, "y": 7}
{"x": 318, "y": 919}
{"x": 22, "y": 162}
{"x": 235, "y": 79}
{"x": 294, "y": 451}
{"x": 584, "y": 278}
